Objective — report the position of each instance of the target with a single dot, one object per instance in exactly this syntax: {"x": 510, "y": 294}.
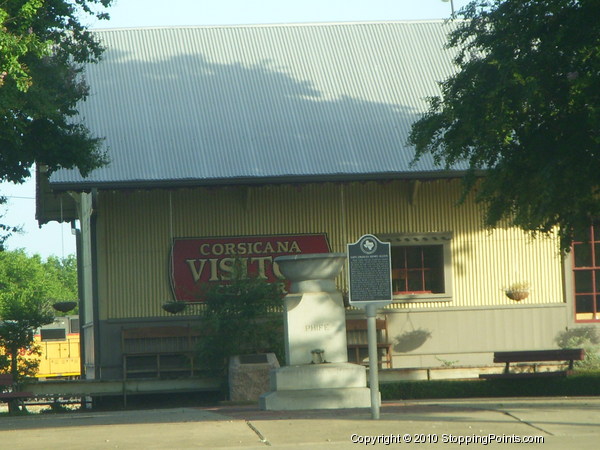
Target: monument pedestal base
{"x": 317, "y": 386}
{"x": 314, "y": 320}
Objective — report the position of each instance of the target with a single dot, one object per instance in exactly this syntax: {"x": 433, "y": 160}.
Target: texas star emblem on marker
{"x": 369, "y": 244}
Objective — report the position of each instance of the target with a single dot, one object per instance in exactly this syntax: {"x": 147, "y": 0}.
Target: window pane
{"x": 583, "y": 236}
{"x": 52, "y": 333}
{"x": 414, "y": 257}
{"x": 398, "y": 279}
{"x": 418, "y": 268}
{"x": 434, "y": 281}
{"x": 415, "y": 280}
{"x": 583, "y": 255}
{"x": 597, "y": 253}
{"x": 595, "y": 236}
{"x": 398, "y": 254}
{"x": 434, "y": 256}
{"x": 434, "y": 260}
{"x": 583, "y": 281}
{"x": 584, "y": 303}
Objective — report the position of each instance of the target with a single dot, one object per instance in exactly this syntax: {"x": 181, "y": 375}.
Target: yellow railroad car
{"x": 59, "y": 346}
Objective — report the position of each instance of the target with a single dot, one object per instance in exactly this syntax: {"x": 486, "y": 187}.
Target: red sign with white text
{"x": 196, "y": 261}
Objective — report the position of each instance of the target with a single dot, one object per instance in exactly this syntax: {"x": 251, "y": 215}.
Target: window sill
{"x": 422, "y": 298}
{"x": 587, "y": 317}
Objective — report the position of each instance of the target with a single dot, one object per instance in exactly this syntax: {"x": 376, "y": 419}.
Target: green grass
{"x": 579, "y": 384}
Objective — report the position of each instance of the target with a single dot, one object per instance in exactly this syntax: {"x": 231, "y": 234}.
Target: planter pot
{"x": 311, "y": 272}
{"x": 64, "y": 306}
{"x": 174, "y": 307}
{"x": 517, "y": 295}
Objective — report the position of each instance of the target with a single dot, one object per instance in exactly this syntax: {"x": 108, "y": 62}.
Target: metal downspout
{"x": 95, "y": 295}
{"x": 81, "y": 303}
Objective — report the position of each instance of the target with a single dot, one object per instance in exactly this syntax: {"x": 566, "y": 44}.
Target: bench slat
{"x": 4, "y": 395}
{"x": 577, "y": 354}
{"x": 531, "y": 356}
{"x": 158, "y": 350}
{"x": 6, "y": 379}
{"x": 159, "y": 332}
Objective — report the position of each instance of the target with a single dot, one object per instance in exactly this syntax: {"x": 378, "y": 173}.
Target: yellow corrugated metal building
{"x": 225, "y": 133}
{"x": 470, "y": 319}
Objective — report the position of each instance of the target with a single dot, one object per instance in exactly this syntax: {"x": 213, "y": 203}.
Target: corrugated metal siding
{"x": 248, "y": 102}
{"x": 136, "y": 230}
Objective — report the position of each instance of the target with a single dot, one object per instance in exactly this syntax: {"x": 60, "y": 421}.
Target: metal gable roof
{"x": 202, "y": 105}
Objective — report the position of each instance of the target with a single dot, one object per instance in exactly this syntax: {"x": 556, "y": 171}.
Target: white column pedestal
{"x": 317, "y": 386}
{"x": 315, "y": 318}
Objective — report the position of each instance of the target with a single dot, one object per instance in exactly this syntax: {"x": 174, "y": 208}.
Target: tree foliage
{"x": 43, "y": 49}
{"x": 16, "y": 43}
{"x": 524, "y": 109}
{"x": 587, "y": 338}
{"x": 28, "y": 287}
{"x": 6, "y": 231}
{"x": 241, "y": 317}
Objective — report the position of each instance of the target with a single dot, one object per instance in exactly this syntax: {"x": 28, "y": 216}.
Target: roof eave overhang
{"x": 52, "y": 204}
{"x": 84, "y": 186}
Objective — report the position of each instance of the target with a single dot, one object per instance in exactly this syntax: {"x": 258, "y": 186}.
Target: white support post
{"x": 373, "y": 360}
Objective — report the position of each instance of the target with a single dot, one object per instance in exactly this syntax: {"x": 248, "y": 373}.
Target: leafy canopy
{"x": 524, "y": 107}
{"x": 241, "y": 317}
{"x": 43, "y": 49}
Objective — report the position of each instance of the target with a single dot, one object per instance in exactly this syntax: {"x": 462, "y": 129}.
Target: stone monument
{"x": 249, "y": 375}
{"x": 317, "y": 374}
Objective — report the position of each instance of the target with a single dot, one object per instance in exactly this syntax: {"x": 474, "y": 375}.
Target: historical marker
{"x": 369, "y": 270}
{"x": 370, "y": 280}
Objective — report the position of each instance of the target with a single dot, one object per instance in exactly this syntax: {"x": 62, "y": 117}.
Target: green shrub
{"x": 587, "y": 338}
{"x": 585, "y": 383}
{"x": 241, "y": 317}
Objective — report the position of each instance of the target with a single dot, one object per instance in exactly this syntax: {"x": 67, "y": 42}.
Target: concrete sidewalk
{"x": 559, "y": 422}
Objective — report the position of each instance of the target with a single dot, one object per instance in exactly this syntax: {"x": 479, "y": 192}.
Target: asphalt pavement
{"x": 548, "y": 423}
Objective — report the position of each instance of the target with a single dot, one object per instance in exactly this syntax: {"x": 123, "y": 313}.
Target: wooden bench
{"x": 6, "y": 380}
{"x": 357, "y": 342}
{"x": 533, "y": 356}
{"x": 159, "y": 352}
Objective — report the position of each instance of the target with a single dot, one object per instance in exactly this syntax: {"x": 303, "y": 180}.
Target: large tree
{"x": 43, "y": 49}
{"x": 523, "y": 110}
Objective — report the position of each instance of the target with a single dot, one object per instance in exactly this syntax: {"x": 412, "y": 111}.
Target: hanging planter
{"x": 65, "y": 306}
{"x": 174, "y": 307}
{"x": 517, "y": 291}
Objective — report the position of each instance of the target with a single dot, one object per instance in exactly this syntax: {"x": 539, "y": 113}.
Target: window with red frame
{"x": 586, "y": 275}
{"x": 418, "y": 269}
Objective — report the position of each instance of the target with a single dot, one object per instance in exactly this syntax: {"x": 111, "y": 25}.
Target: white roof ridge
{"x": 273, "y": 25}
